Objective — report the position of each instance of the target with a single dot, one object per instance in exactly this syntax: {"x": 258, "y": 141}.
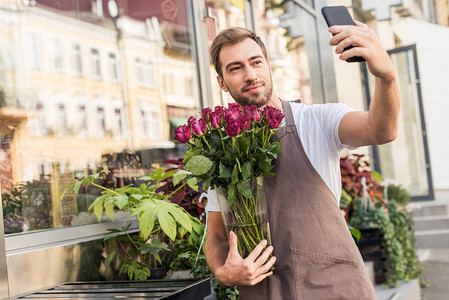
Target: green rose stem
{"x": 221, "y": 138}
{"x": 204, "y": 139}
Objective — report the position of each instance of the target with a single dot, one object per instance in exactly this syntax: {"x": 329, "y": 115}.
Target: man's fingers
{"x": 265, "y": 268}
{"x": 264, "y": 256}
{"x": 261, "y": 277}
{"x": 360, "y": 24}
{"x": 256, "y": 251}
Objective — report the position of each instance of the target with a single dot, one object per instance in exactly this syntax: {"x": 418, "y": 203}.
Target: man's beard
{"x": 259, "y": 99}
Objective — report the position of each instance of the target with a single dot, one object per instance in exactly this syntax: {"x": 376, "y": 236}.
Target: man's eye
{"x": 234, "y": 69}
{"x": 257, "y": 62}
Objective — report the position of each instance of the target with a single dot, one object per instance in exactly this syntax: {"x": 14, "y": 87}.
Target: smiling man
{"x": 314, "y": 255}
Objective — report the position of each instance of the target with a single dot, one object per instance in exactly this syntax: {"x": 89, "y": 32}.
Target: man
{"x": 314, "y": 255}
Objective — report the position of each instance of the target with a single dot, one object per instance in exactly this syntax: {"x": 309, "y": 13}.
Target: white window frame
{"x": 76, "y": 60}
{"x": 113, "y": 67}
{"x": 95, "y": 63}
{"x": 55, "y": 55}
{"x": 100, "y": 133}
{"x": 32, "y": 50}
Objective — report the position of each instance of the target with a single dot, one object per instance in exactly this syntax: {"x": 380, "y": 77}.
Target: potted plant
{"x": 160, "y": 221}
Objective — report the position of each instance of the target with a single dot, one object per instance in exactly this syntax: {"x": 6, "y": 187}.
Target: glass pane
{"x": 404, "y": 160}
{"x": 294, "y": 61}
{"x": 84, "y": 91}
{"x": 226, "y": 13}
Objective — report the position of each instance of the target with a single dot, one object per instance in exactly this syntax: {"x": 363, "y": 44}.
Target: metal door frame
{"x": 374, "y": 149}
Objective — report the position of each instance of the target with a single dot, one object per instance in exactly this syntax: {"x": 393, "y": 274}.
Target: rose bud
{"x": 235, "y": 106}
{"x": 219, "y": 110}
{"x": 231, "y": 115}
{"x": 183, "y": 134}
{"x": 274, "y": 118}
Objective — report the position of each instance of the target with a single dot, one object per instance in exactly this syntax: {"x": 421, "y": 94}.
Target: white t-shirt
{"x": 317, "y": 127}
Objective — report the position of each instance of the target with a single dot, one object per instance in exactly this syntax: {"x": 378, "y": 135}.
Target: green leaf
{"x": 244, "y": 188}
{"x": 66, "y": 189}
{"x": 268, "y": 174}
{"x": 193, "y": 183}
{"x": 235, "y": 175}
{"x": 111, "y": 256}
{"x": 191, "y": 153}
{"x": 242, "y": 144}
{"x": 181, "y": 216}
{"x": 199, "y": 165}
{"x": 232, "y": 194}
{"x": 247, "y": 170}
{"x": 168, "y": 224}
{"x": 109, "y": 209}
{"x": 205, "y": 185}
{"x": 355, "y": 232}
{"x": 225, "y": 172}
{"x": 264, "y": 163}
{"x": 180, "y": 175}
{"x": 97, "y": 205}
{"x": 147, "y": 211}
{"x": 120, "y": 201}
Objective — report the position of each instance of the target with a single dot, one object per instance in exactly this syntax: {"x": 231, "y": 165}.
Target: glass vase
{"x": 247, "y": 217}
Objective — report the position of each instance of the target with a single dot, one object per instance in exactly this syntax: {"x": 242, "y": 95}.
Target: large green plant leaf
{"x": 193, "y": 183}
{"x": 147, "y": 212}
{"x": 180, "y": 175}
{"x": 199, "y": 165}
{"x": 244, "y": 188}
{"x": 247, "y": 170}
{"x": 182, "y": 217}
{"x": 167, "y": 222}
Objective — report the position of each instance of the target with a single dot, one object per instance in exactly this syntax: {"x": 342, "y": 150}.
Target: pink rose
{"x": 195, "y": 126}
{"x": 215, "y": 119}
{"x": 231, "y": 114}
{"x": 233, "y": 128}
{"x": 183, "y": 134}
{"x": 252, "y": 112}
{"x": 273, "y": 115}
{"x": 245, "y": 122}
{"x": 206, "y": 113}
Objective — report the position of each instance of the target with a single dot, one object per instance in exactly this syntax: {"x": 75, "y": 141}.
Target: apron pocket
{"x": 319, "y": 276}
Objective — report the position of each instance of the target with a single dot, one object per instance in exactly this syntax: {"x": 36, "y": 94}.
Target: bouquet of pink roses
{"x": 231, "y": 150}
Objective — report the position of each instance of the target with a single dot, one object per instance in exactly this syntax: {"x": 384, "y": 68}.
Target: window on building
{"x": 113, "y": 67}
{"x": 118, "y": 122}
{"x": 39, "y": 120}
{"x": 82, "y": 119}
{"x": 145, "y": 125}
{"x": 55, "y": 55}
{"x": 148, "y": 74}
{"x": 31, "y": 50}
{"x": 100, "y": 118}
{"x": 144, "y": 73}
{"x": 154, "y": 125}
{"x": 76, "y": 63}
{"x": 61, "y": 119}
{"x": 95, "y": 63}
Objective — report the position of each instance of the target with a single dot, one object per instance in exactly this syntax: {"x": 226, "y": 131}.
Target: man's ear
{"x": 221, "y": 83}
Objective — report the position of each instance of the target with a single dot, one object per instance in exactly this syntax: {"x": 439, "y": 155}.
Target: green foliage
{"x": 398, "y": 194}
{"x": 160, "y": 221}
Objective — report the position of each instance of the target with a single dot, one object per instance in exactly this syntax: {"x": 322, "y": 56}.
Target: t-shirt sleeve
{"x": 212, "y": 200}
{"x": 333, "y": 115}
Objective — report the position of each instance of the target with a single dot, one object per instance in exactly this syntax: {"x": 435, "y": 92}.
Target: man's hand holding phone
{"x": 365, "y": 44}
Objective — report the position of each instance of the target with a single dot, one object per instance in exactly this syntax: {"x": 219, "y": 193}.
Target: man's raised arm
{"x": 380, "y": 124}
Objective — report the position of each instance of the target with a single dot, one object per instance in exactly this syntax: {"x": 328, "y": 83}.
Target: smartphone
{"x": 339, "y": 15}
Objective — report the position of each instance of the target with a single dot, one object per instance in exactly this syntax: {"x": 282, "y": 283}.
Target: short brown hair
{"x": 232, "y": 36}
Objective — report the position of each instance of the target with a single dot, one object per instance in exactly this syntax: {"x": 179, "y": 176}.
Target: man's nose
{"x": 250, "y": 75}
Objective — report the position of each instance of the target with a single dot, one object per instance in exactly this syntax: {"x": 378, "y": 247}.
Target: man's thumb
{"x": 233, "y": 242}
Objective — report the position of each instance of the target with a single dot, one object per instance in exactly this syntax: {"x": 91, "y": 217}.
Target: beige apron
{"x": 317, "y": 258}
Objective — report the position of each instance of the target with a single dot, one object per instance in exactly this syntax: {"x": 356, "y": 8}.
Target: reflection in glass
{"x": 404, "y": 159}
{"x": 86, "y": 92}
